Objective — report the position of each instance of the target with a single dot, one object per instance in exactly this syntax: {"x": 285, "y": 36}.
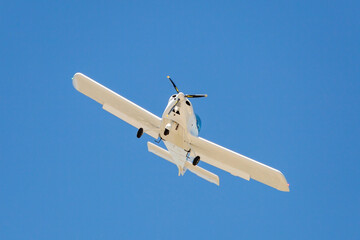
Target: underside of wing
{"x": 118, "y": 105}
{"x": 238, "y": 164}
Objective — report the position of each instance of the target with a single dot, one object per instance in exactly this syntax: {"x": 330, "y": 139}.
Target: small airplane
{"x": 179, "y": 128}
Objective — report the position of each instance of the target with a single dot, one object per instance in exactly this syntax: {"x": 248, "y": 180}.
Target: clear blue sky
{"x": 283, "y": 81}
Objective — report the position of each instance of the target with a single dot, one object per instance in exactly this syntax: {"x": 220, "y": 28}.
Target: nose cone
{"x": 181, "y": 96}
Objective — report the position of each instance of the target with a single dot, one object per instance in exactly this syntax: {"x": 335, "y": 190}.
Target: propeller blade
{"x": 177, "y": 90}
{"x": 196, "y": 95}
{"x": 174, "y": 106}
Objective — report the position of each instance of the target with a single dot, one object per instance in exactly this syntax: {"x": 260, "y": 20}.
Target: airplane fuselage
{"x": 178, "y": 121}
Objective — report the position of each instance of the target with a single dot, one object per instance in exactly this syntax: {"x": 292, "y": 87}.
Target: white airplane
{"x": 179, "y": 129}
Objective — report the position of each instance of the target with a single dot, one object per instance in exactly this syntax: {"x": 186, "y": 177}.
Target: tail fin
{"x": 194, "y": 169}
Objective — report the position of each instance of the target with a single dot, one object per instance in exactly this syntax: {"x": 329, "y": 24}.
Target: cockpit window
{"x": 198, "y": 122}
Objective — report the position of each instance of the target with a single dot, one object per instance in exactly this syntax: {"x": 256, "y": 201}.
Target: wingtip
{"x": 75, "y": 80}
{"x": 285, "y": 188}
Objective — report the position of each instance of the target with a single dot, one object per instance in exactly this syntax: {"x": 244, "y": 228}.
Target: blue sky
{"x": 283, "y": 81}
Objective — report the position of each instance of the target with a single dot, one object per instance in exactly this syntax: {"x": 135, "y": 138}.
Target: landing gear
{"x": 140, "y": 133}
{"x": 196, "y": 160}
{"x": 166, "y": 132}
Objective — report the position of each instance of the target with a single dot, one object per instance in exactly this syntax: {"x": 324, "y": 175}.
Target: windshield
{"x": 198, "y": 122}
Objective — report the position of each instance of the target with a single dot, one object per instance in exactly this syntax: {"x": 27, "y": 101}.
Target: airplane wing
{"x": 237, "y": 164}
{"x": 118, "y": 105}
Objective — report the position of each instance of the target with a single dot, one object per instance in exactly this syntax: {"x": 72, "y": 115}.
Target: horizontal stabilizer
{"x": 160, "y": 152}
{"x": 209, "y": 176}
{"x": 194, "y": 169}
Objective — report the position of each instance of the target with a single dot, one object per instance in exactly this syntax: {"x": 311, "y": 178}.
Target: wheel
{"x": 140, "y": 132}
{"x": 166, "y": 132}
{"x": 196, "y": 160}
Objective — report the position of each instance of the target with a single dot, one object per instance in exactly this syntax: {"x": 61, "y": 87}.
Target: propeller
{"x": 177, "y": 90}
{"x": 187, "y": 95}
{"x": 195, "y": 95}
